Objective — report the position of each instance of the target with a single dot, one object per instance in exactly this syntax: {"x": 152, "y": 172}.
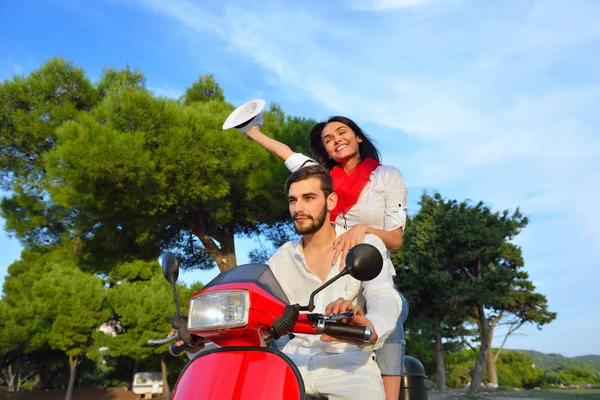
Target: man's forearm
{"x": 383, "y": 310}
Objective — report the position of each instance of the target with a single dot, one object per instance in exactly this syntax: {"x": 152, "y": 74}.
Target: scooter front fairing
{"x": 244, "y": 373}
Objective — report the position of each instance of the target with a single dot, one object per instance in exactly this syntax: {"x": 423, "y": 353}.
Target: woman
{"x": 371, "y": 199}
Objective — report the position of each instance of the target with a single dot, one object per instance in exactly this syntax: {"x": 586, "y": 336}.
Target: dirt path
{"x": 78, "y": 394}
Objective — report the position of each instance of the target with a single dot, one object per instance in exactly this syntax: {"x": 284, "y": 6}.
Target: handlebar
{"x": 166, "y": 340}
{"x": 345, "y": 331}
{"x": 174, "y": 350}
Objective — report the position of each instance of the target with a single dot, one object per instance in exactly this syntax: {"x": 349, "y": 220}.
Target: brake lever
{"x": 152, "y": 342}
{"x": 338, "y": 317}
{"x": 330, "y": 317}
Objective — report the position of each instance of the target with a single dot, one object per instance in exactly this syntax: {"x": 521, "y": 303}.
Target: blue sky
{"x": 492, "y": 101}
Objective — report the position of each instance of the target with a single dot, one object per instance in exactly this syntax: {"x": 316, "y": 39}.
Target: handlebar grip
{"x": 344, "y": 331}
{"x": 177, "y": 350}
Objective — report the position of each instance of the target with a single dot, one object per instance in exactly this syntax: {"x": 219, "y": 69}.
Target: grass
{"x": 548, "y": 394}
{"x": 559, "y": 394}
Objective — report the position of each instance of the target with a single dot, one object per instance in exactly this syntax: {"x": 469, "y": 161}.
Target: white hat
{"x": 246, "y": 116}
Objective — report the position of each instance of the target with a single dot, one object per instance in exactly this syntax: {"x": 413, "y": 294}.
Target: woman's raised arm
{"x": 279, "y": 149}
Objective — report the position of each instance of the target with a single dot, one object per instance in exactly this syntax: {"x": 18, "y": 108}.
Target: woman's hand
{"x": 252, "y": 132}
{"x": 346, "y": 241}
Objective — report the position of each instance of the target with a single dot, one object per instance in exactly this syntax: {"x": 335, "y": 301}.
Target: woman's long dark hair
{"x": 366, "y": 149}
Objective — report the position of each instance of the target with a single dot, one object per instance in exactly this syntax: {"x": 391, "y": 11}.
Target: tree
{"x": 15, "y": 331}
{"x": 458, "y": 260}
{"x": 518, "y": 370}
{"x": 54, "y": 305}
{"x": 32, "y": 108}
{"x": 150, "y": 174}
{"x": 459, "y": 367}
{"x": 24, "y": 328}
{"x": 523, "y": 306}
{"x": 76, "y": 299}
{"x": 143, "y": 299}
{"x": 128, "y": 174}
{"x": 425, "y": 276}
{"x": 204, "y": 89}
{"x": 490, "y": 267}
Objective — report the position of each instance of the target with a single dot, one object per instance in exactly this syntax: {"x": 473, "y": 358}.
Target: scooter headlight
{"x": 219, "y": 310}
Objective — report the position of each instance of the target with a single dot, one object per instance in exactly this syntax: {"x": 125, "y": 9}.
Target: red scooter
{"x": 240, "y": 311}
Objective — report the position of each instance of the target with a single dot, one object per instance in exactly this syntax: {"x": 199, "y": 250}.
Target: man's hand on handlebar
{"x": 341, "y": 306}
{"x": 199, "y": 345}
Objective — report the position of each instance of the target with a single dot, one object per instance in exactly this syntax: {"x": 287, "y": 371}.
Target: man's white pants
{"x": 343, "y": 376}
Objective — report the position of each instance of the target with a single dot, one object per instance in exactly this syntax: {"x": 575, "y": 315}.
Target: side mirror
{"x": 363, "y": 262}
{"x": 170, "y": 267}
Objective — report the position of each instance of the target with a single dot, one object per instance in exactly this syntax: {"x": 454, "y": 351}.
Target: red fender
{"x": 240, "y": 373}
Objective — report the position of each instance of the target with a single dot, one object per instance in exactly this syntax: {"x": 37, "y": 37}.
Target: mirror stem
{"x": 175, "y": 296}
{"x": 311, "y": 302}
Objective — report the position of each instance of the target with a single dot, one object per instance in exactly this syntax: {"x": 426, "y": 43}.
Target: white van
{"x": 147, "y": 384}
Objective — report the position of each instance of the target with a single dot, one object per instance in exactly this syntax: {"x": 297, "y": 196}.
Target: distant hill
{"x": 593, "y": 359}
{"x": 557, "y": 362}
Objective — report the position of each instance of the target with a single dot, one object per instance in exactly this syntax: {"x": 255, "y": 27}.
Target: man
{"x": 331, "y": 367}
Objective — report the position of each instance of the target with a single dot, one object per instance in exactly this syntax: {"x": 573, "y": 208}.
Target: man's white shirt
{"x": 298, "y": 282}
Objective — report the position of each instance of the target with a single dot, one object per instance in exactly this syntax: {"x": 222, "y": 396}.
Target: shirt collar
{"x": 298, "y": 249}
{"x": 299, "y": 252}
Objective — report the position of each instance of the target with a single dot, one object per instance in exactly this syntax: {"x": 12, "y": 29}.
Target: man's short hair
{"x": 311, "y": 171}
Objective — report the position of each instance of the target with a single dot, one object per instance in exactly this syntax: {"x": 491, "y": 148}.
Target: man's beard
{"x": 312, "y": 227}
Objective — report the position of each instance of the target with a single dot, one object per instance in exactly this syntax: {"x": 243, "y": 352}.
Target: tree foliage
{"x": 458, "y": 264}
{"x": 33, "y": 107}
{"x": 517, "y": 369}
{"x": 143, "y": 302}
{"x": 50, "y": 304}
{"x": 204, "y": 89}
{"x": 129, "y": 174}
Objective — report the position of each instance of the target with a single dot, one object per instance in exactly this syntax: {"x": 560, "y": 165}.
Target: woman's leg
{"x": 392, "y": 385}
{"x": 390, "y": 357}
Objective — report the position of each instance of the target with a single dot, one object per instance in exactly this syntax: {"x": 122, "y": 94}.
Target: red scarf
{"x": 349, "y": 186}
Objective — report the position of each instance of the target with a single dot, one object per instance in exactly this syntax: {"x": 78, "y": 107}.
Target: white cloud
{"x": 188, "y": 13}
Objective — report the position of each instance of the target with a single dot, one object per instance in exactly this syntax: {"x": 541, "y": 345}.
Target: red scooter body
{"x": 243, "y": 368}
{"x": 243, "y": 373}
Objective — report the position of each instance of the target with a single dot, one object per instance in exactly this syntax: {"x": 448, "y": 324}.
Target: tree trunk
{"x": 40, "y": 379}
{"x": 491, "y": 369}
{"x": 440, "y": 371}
{"x": 224, "y": 255}
{"x": 491, "y": 361}
{"x": 480, "y": 364}
{"x": 37, "y": 381}
{"x": 9, "y": 377}
{"x": 227, "y": 260}
{"x": 18, "y": 379}
{"x": 165, "y": 381}
{"x": 73, "y": 362}
{"x": 134, "y": 370}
